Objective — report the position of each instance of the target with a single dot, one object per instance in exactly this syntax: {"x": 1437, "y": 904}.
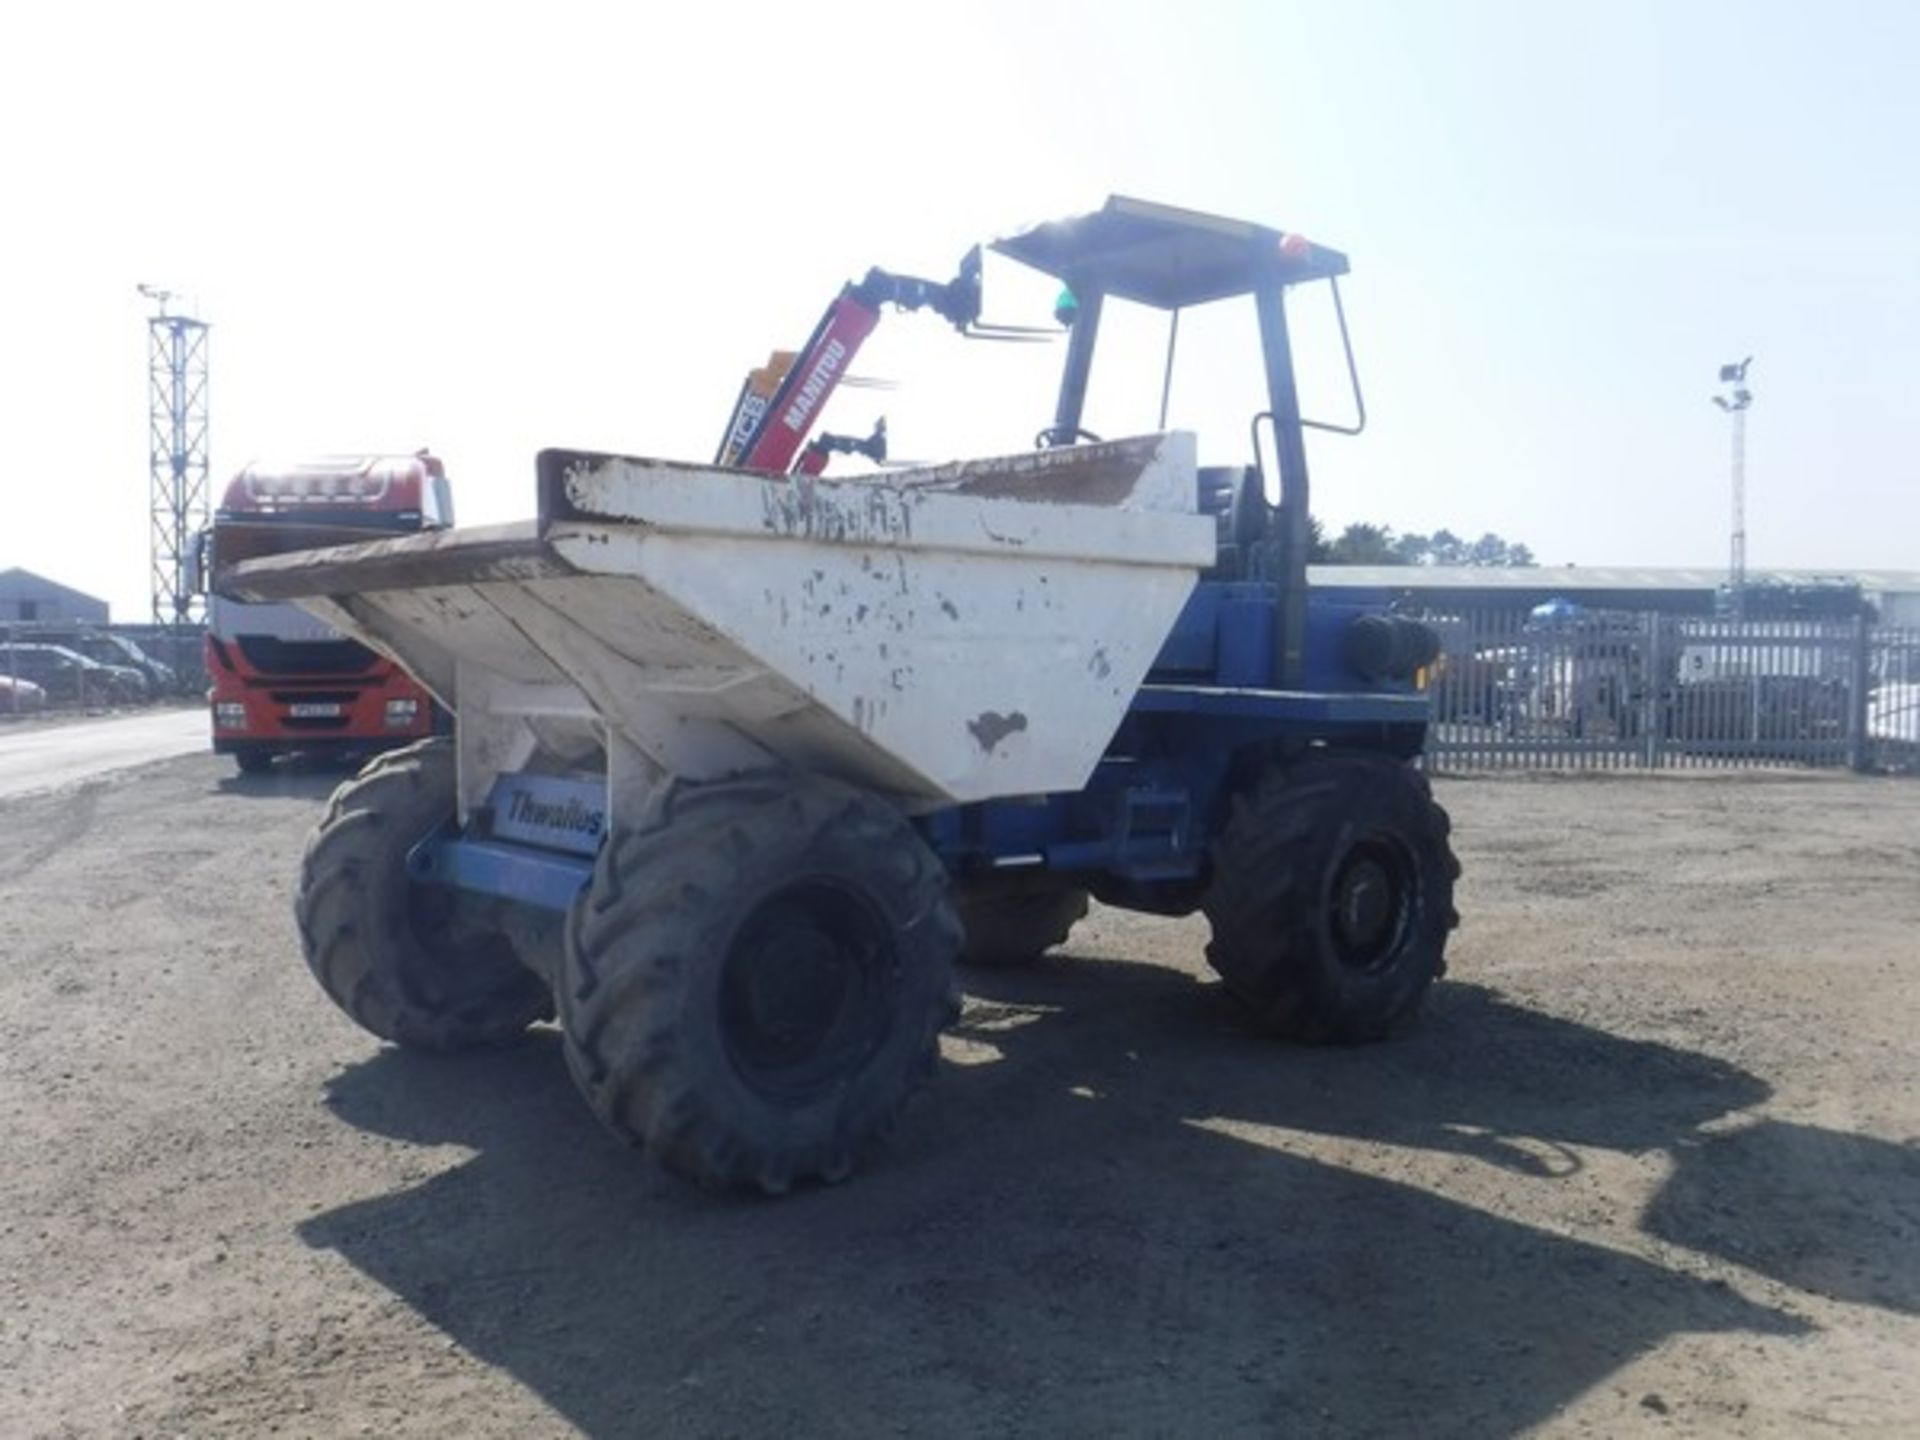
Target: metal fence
{"x": 52, "y": 666}
{"x": 1643, "y": 690}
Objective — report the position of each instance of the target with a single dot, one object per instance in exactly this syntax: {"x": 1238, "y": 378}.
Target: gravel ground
{"x": 1649, "y": 1166}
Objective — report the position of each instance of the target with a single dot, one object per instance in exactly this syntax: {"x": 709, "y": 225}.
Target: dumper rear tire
{"x": 1005, "y": 928}
{"x": 754, "y": 991}
{"x": 390, "y": 952}
{"x": 1332, "y": 897}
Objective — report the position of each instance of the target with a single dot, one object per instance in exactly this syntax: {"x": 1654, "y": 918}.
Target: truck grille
{"x": 273, "y": 656}
{"x": 314, "y": 697}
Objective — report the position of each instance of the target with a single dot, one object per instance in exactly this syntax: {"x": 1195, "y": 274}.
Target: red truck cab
{"x": 284, "y": 681}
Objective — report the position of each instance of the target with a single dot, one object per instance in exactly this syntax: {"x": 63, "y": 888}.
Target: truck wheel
{"x": 1012, "y": 927}
{"x": 253, "y": 762}
{"x": 754, "y": 991}
{"x": 1332, "y": 897}
{"x": 388, "y": 951}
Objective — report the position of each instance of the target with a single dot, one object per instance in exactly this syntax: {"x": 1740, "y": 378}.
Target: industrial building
{"x": 30, "y": 599}
{"x": 1894, "y": 594}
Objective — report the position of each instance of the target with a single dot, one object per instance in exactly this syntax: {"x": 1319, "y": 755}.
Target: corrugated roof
{"x": 18, "y": 577}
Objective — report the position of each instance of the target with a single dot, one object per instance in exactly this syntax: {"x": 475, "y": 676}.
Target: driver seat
{"x": 1232, "y": 494}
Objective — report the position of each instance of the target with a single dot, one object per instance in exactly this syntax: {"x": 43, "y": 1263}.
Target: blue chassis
{"x": 1147, "y": 815}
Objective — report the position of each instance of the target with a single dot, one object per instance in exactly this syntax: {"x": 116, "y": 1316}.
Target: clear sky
{"x": 417, "y": 224}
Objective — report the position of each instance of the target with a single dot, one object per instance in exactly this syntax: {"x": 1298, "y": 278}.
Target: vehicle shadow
{"x": 1068, "y": 1239}
{"x": 295, "y": 776}
{"x": 1479, "y": 1076}
{"x": 1837, "y": 1215}
{"x": 1824, "y": 1211}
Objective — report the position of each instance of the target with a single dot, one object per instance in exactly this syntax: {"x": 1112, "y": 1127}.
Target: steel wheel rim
{"x": 806, "y": 991}
{"x": 1371, "y": 904}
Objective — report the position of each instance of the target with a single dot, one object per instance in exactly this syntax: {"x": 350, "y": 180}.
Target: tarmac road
{"x": 46, "y": 756}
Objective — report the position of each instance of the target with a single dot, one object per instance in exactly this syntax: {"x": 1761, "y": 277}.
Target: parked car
{"x": 19, "y": 695}
{"x": 108, "y": 649}
{"x": 70, "y": 678}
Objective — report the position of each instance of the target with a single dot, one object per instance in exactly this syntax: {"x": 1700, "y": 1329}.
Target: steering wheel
{"x": 1057, "y": 435}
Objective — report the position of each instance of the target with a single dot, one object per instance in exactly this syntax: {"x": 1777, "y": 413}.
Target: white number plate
{"x": 312, "y": 712}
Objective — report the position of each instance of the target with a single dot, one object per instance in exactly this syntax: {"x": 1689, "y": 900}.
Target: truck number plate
{"x": 312, "y": 711}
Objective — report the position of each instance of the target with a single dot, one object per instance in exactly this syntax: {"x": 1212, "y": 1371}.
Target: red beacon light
{"x": 1295, "y": 247}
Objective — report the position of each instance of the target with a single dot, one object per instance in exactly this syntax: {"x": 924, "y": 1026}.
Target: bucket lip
{"x": 1129, "y": 502}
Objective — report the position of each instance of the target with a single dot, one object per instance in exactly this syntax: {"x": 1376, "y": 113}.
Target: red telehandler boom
{"x": 779, "y": 403}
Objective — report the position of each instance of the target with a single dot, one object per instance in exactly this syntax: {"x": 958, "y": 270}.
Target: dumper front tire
{"x": 754, "y": 991}
{"x": 1332, "y": 897}
{"x": 1005, "y": 928}
{"x": 390, "y": 952}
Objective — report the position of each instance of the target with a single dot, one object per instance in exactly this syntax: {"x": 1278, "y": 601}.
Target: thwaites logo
{"x": 819, "y": 380}
{"x": 561, "y": 817}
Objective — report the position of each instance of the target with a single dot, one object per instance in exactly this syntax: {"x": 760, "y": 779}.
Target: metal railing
{"x": 1612, "y": 690}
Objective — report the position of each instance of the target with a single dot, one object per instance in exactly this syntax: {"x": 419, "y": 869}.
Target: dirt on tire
{"x": 660, "y": 1028}
{"x": 389, "y": 953}
{"x": 1647, "y": 1165}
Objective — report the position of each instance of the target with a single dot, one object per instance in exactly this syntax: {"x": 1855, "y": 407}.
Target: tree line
{"x": 1365, "y": 544}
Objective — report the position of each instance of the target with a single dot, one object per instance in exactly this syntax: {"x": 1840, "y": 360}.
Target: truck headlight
{"x": 402, "y": 712}
{"x": 229, "y": 715}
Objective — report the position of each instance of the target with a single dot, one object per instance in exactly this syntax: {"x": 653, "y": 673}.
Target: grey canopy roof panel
{"x": 1163, "y": 256}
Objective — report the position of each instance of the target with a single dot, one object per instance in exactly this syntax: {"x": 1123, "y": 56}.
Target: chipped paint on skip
{"x": 578, "y": 482}
{"x": 868, "y": 715}
{"x": 990, "y": 727}
{"x": 999, "y": 537}
{"x": 1099, "y": 665}
{"x": 804, "y": 508}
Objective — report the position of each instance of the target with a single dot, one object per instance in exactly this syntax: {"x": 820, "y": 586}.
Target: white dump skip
{"x": 944, "y": 635}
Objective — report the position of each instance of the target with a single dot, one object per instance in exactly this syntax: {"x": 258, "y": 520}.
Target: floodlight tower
{"x": 176, "y": 455}
{"x": 1736, "y": 400}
